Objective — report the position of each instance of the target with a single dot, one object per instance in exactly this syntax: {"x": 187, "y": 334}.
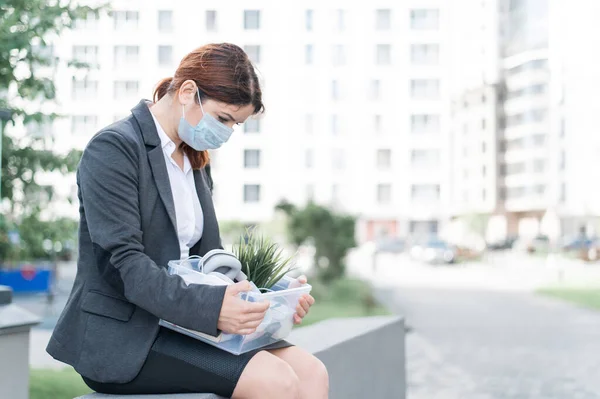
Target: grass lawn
{"x": 588, "y": 297}
{"x": 56, "y": 384}
{"x": 341, "y": 298}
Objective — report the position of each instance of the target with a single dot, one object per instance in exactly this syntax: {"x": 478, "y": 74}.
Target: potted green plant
{"x": 263, "y": 261}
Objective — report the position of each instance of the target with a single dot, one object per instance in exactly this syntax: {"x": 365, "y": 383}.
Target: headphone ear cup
{"x": 223, "y": 262}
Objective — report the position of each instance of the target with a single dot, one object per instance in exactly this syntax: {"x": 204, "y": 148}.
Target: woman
{"x": 144, "y": 200}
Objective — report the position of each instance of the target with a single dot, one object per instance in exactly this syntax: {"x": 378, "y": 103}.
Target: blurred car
{"x": 391, "y": 245}
{"x": 434, "y": 251}
{"x": 537, "y": 244}
{"x": 584, "y": 248}
{"x": 501, "y": 245}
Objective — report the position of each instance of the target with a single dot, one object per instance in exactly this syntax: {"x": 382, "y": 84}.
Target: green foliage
{"x": 262, "y": 260}
{"x": 27, "y": 64}
{"x": 61, "y": 232}
{"x": 56, "y": 384}
{"x": 331, "y": 233}
{"x": 343, "y": 297}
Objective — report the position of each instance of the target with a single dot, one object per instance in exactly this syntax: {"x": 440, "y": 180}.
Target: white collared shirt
{"x": 189, "y": 215}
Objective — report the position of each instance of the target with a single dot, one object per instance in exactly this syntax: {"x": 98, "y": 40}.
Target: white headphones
{"x": 222, "y": 264}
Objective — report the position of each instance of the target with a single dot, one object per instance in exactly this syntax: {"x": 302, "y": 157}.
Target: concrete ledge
{"x": 365, "y": 358}
{"x": 5, "y": 295}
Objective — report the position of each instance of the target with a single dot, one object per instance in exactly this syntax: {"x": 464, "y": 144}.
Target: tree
{"x": 331, "y": 233}
{"x": 25, "y": 26}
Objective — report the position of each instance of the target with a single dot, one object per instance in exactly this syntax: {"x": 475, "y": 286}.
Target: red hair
{"x": 223, "y": 72}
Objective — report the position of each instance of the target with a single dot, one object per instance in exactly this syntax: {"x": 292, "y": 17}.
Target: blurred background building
{"x": 419, "y": 116}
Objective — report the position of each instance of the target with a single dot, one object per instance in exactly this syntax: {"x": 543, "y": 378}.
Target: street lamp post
{"x": 5, "y": 115}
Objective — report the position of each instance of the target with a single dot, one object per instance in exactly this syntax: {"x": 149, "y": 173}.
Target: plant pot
{"x": 27, "y": 277}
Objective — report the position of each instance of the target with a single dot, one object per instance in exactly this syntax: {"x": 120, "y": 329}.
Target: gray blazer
{"x": 127, "y": 235}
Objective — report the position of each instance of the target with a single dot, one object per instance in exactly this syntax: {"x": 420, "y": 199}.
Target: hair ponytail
{"x": 162, "y": 88}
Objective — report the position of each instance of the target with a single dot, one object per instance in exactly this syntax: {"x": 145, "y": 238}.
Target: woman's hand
{"x": 304, "y": 303}
{"x": 238, "y": 316}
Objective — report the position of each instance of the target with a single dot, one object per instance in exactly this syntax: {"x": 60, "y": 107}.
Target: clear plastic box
{"x": 278, "y": 321}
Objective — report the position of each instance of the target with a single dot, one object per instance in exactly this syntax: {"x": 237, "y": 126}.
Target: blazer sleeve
{"x": 108, "y": 181}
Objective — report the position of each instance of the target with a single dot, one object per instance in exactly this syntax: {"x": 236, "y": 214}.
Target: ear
{"x": 187, "y": 92}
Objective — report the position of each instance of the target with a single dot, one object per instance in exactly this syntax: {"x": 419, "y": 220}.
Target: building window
{"x": 339, "y": 55}
{"x": 563, "y": 126}
{"x": 165, "y": 20}
{"x": 86, "y": 54}
{"x": 252, "y": 19}
{"x": 309, "y": 158}
{"x": 531, "y": 116}
{"x": 165, "y": 55}
{"x": 309, "y": 20}
{"x": 483, "y": 147}
{"x": 251, "y": 193}
{"x": 309, "y": 123}
{"x": 539, "y": 166}
{"x": 483, "y": 124}
{"x": 383, "y": 19}
{"x": 529, "y": 66}
{"x": 425, "y": 158}
{"x": 251, "y": 159}
{"x": 483, "y": 171}
{"x": 335, "y": 193}
{"x": 563, "y": 160}
{"x": 335, "y": 128}
{"x": 126, "y": 55}
{"x": 309, "y": 54}
{"x": 341, "y": 20}
{"x": 483, "y": 195}
{"x": 425, "y": 123}
{"x": 211, "y": 20}
{"x": 85, "y": 89}
{"x": 253, "y": 52}
{"x": 425, "y": 89}
{"x": 83, "y": 124}
{"x": 384, "y": 159}
{"x": 515, "y": 168}
{"x": 126, "y": 88}
{"x": 425, "y": 54}
{"x": 425, "y": 193}
{"x": 252, "y": 125}
{"x": 384, "y": 193}
{"x": 338, "y": 159}
{"x": 425, "y": 19}
{"x": 384, "y": 54}
{"x": 89, "y": 22}
{"x": 375, "y": 89}
{"x": 563, "y": 192}
{"x": 126, "y": 19}
{"x": 377, "y": 124}
{"x": 335, "y": 90}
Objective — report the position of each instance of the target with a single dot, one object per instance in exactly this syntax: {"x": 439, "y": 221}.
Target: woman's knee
{"x": 320, "y": 375}
{"x": 267, "y": 376}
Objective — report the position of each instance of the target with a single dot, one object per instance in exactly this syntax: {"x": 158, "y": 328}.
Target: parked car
{"x": 501, "y": 245}
{"x": 391, "y": 245}
{"x": 584, "y": 248}
{"x": 434, "y": 251}
{"x": 537, "y": 244}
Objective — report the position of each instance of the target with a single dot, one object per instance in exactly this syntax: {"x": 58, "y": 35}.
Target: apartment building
{"x": 356, "y": 96}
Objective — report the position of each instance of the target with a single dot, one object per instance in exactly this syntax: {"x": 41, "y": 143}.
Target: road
{"x": 478, "y": 332}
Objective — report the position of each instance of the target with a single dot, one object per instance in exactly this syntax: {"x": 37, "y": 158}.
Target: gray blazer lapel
{"x": 161, "y": 178}
{"x": 142, "y": 114}
{"x": 210, "y": 237}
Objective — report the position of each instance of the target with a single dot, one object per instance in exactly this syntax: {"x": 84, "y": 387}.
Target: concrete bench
{"x": 15, "y": 325}
{"x": 365, "y": 358}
